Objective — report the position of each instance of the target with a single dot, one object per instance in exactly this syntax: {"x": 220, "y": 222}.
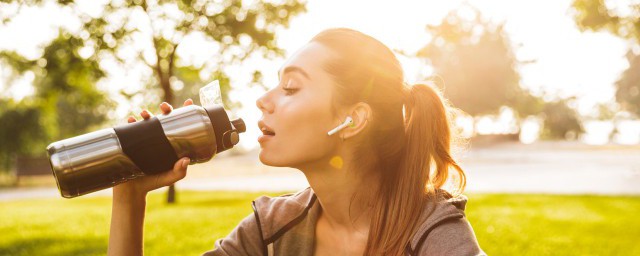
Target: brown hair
{"x": 410, "y": 150}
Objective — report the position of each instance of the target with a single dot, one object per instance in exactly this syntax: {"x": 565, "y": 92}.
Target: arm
{"x": 129, "y": 202}
{"x": 127, "y": 218}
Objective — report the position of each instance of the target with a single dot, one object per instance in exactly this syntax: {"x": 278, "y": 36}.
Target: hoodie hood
{"x": 273, "y": 220}
{"x": 445, "y": 207}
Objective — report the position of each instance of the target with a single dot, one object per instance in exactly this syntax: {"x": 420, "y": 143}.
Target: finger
{"x": 166, "y": 108}
{"x": 179, "y": 172}
{"x": 131, "y": 119}
{"x": 145, "y": 114}
{"x": 188, "y": 102}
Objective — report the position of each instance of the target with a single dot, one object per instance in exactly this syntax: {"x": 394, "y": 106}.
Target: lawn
{"x": 504, "y": 224}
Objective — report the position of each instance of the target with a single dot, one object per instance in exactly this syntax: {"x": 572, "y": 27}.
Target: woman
{"x": 375, "y": 183}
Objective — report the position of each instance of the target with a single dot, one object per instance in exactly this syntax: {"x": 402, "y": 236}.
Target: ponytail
{"x": 424, "y": 169}
{"x": 428, "y": 138}
{"x": 411, "y": 155}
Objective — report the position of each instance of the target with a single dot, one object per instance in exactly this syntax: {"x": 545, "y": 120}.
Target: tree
{"x": 476, "y": 61}
{"x": 598, "y": 15}
{"x": 561, "y": 121}
{"x": 238, "y": 29}
{"x": 20, "y": 131}
{"x": 622, "y": 20}
{"x": 66, "y": 102}
{"x": 628, "y": 86}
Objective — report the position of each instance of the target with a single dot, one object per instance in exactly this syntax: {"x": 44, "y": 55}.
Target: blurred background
{"x": 549, "y": 93}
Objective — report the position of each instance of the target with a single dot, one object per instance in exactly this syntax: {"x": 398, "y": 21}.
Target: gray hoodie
{"x": 285, "y": 225}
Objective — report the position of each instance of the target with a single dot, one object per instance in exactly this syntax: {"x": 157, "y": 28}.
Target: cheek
{"x": 302, "y": 123}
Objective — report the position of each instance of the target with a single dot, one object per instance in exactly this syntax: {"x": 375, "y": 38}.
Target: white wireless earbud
{"x": 346, "y": 123}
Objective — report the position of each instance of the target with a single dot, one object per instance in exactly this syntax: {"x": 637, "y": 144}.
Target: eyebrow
{"x": 289, "y": 69}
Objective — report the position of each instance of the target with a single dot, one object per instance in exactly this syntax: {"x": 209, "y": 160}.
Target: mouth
{"x": 266, "y": 130}
{"x": 268, "y": 133}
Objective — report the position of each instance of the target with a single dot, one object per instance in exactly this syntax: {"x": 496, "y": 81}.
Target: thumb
{"x": 178, "y": 172}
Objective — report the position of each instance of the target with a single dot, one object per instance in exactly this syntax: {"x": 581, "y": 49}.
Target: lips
{"x": 267, "y": 132}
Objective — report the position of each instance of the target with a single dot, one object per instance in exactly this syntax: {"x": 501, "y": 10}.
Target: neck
{"x": 344, "y": 192}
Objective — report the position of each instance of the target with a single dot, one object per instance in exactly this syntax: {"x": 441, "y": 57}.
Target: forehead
{"x": 309, "y": 58}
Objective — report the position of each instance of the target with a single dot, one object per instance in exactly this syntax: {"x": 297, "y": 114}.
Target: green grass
{"x": 556, "y": 225}
{"x": 504, "y": 224}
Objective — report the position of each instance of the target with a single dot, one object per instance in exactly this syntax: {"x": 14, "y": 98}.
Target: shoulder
{"x": 444, "y": 229}
{"x": 277, "y": 214}
{"x": 271, "y": 217}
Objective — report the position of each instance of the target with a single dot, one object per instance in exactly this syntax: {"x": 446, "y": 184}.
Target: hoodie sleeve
{"x": 452, "y": 237}
{"x": 245, "y": 239}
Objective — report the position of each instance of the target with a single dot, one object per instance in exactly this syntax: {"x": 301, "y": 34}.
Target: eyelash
{"x": 289, "y": 91}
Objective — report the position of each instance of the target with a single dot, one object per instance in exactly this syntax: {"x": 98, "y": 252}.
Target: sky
{"x": 567, "y": 62}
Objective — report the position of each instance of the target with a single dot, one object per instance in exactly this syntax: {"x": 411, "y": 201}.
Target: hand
{"x": 142, "y": 185}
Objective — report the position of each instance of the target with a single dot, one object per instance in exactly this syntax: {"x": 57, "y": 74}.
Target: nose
{"x": 264, "y": 103}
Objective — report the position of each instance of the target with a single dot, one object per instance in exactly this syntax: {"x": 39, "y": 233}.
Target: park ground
{"x": 540, "y": 199}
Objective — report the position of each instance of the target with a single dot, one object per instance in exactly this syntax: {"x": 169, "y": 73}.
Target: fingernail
{"x": 185, "y": 162}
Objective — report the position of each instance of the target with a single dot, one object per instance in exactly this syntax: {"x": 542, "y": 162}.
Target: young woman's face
{"x": 296, "y": 115}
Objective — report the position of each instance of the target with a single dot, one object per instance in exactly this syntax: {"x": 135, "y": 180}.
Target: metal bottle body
{"x": 107, "y": 157}
{"x": 190, "y": 133}
{"x": 90, "y": 162}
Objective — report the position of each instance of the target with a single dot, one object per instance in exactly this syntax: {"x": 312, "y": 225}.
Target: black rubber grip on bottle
{"x": 221, "y": 124}
{"x": 145, "y": 143}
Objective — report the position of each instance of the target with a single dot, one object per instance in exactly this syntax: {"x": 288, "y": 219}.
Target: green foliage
{"x": 20, "y": 131}
{"x": 628, "y": 87}
{"x": 65, "y": 104}
{"x": 623, "y": 21}
{"x": 480, "y": 71}
{"x": 527, "y": 104}
{"x": 504, "y": 224}
{"x": 561, "y": 121}
{"x": 617, "y": 18}
{"x": 475, "y": 59}
{"x": 192, "y": 84}
{"x": 239, "y": 29}
{"x": 66, "y": 89}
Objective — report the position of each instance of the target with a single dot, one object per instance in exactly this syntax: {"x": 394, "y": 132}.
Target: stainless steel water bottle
{"x": 104, "y": 158}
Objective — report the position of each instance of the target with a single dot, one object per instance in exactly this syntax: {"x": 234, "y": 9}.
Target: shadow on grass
{"x": 55, "y": 246}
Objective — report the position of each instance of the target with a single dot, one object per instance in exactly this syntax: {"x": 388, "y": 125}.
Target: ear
{"x": 361, "y": 114}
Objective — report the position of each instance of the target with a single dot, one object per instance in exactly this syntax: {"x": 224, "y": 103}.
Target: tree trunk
{"x": 165, "y": 84}
{"x": 168, "y": 97}
{"x": 171, "y": 194}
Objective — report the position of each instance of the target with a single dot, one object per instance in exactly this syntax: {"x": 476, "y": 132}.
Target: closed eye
{"x": 289, "y": 86}
{"x": 290, "y": 91}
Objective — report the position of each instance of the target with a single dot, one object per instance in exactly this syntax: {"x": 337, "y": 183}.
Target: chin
{"x": 271, "y": 160}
